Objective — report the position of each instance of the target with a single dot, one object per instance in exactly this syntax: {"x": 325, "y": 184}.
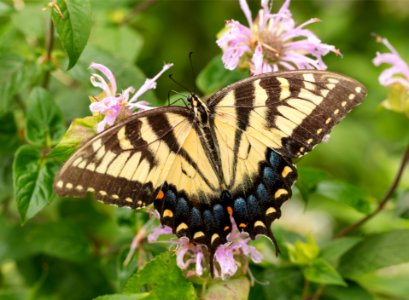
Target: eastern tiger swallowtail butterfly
{"x": 227, "y": 155}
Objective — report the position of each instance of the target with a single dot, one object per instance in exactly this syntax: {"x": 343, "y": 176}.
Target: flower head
{"x": 113, "y": 105}
{"x": 192, "y": 257}
{"x": 398, "y": 72}
{"x": 396, "y": 77}
{"x": 271, "y": 42}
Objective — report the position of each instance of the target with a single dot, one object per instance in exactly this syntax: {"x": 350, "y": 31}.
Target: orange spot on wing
{"x": 160, "y": 195}
{"x": 229, "y": 210}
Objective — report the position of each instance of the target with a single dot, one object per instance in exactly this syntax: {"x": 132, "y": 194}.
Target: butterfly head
{"x": 199, "y": 108}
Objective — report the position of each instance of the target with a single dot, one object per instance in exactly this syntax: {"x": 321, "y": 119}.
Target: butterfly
{"x": 226, "y": 156}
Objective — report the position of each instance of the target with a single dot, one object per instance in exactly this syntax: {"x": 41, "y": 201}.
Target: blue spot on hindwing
{"x": 240, "y": 209}
{"x": 196, "y": 218}
{"x": 274, "y": 159}
{"x": 268, "y": 175}
{"x": 253, "y": 207}
{"x": 262, "y": 195}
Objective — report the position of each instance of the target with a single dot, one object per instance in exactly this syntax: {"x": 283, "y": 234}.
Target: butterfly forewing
{"x": 127, "y": 163}
{"x": 290, "y": 112}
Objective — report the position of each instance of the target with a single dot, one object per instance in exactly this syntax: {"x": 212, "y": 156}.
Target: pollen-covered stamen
{"x": 271, "y": 44}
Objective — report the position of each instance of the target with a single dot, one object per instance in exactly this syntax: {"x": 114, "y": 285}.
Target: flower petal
{"x": 149, "y": 84}
{"x": 108, "y": 74}
{"x": 246, "y": 10}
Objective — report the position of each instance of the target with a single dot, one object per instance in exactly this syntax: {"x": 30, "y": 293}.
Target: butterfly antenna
{"x": 178, "y": 83}
{"x": 182, "y": 98}
{"x": 193, "y": 72}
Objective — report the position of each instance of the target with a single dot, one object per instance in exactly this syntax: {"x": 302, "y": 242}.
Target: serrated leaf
{"x": 346, "y": 193}
{"x": 214, "y": 76}
{"x": 322, "y": 272}
{"x": 32, "y": 180}
{"x": 72, "y": 21}
{"x": 375, "y": 252}
{"x": 44, "y": 124}
{"x": 152, "y": 277}
{"x": 233, "y": 289}
{"x": 308, "y": 179}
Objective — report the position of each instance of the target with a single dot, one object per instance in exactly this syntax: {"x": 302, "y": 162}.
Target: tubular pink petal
{"x": 399, "y": 70}
{"x": 149, "y": 84}
{"x": 247, "y": 12}
{"x": 199, "y": 260}
{"x": 161, "y": 230}
{"x": 99, "y": 82}
{"x": 285, "y": 8}
{"x": 107, "y": 73}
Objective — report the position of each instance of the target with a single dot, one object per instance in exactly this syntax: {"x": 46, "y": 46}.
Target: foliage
{"x": 53, "y": 248}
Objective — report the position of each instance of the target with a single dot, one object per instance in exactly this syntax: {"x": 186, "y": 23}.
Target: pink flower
{"x": 399, "y": 70}
{"x": 271, "y": 42}
{"x": 192, "y": 257}
{"x": 112, "y": 104}
{"x": 237, "y": 244}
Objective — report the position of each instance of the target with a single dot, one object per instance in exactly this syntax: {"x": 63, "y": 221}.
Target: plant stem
{"x": 385, "y": 199}
{"x": 305, "y": 289}
{"x": 49, "y": 47}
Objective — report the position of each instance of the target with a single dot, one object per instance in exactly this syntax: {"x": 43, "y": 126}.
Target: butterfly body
{"x": 225, "y": 157}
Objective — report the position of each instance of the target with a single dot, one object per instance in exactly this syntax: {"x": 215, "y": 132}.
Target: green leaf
{"x": 233, "y": 289}
{"x": 336, "y": 248}
{"x": 352, "y": 292}
{"x": 122, "y": 41}
{"x": 308, "y": 179}
{"x": 402, "y": 205}
{"x": 33, "y": 178}
{"x": 79, "y": 131}
{"x": 16, "y": 74}
{"x": 8, "y": 134}
{"x": 321, "y": 271}
{"x": 60, "y": 239}
{"x": 302, "y": 253}
{"x": 13, "y": 245}
{"x": 44, "y": 125}
{"x": 162, "y": 278}
{"x": 375, "y": 252}
{"x": 6, "y": 179}
{"x": 281, "y": 283}
{"x": 214, "y": 76}
{"x": 123, "y": 296}
{"x": 73, "y": 26}
{"x": 346, "y": 193}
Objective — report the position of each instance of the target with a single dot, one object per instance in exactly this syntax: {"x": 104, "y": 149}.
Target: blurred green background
{"x": 74, "y": 249}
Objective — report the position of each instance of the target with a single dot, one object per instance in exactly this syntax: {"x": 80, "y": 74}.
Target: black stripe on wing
{"x": 115, "y": 164}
